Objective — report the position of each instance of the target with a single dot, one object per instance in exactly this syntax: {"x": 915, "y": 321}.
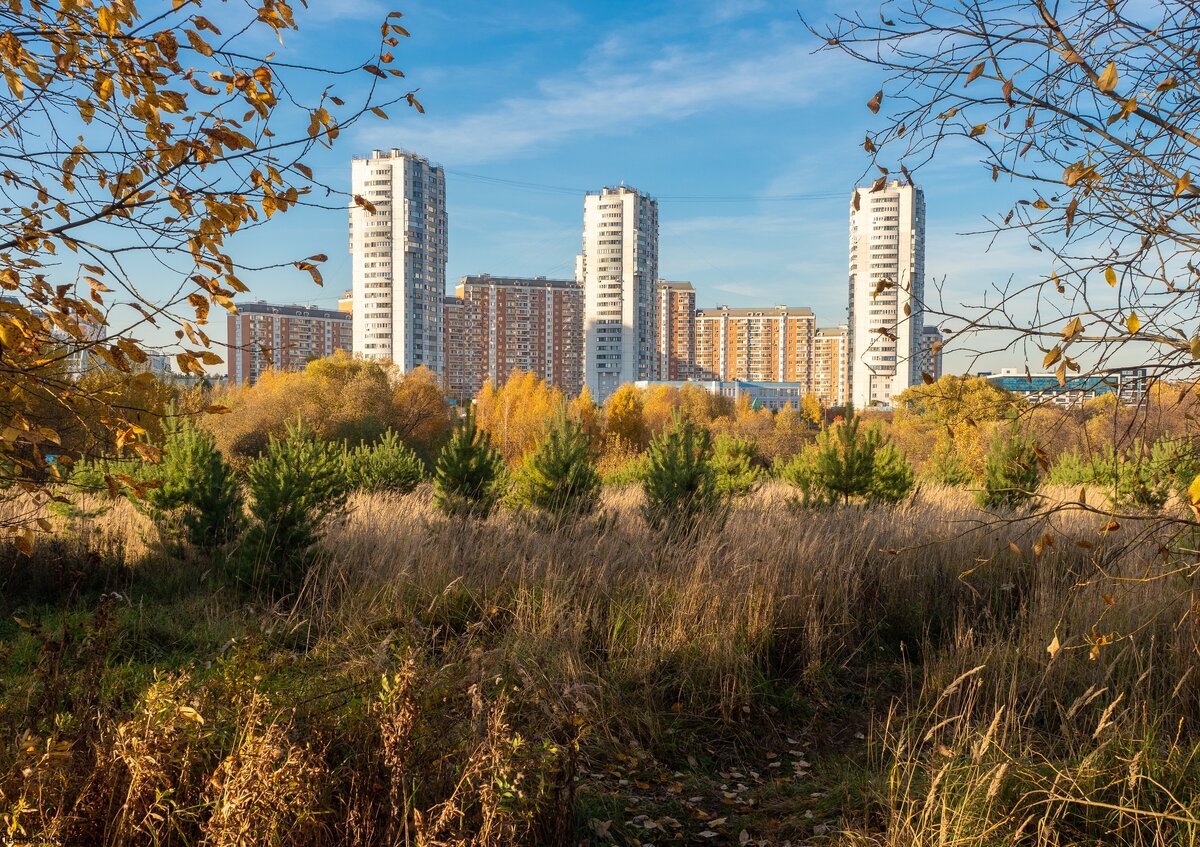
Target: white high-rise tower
{"x": 398, "y": 259}
{"x": 618, "y": 268}
{"x": 887, "y": 288}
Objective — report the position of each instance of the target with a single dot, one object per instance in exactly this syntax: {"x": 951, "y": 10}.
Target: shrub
{"x": 292, "y": 487}
{"x": 735, "y": 462}
{"x": 559, "y": 478}
{"x": 891, "y": 475}
{"x": 1073, "y": 468}
{"x": 800, "y": 472}
{"x": 387, "y": 465}
{"x": 847, "y": 464}
{"x": 680, "y": 482}
{"x": 469, "y": 477}
{"x": 946, "y": 467}
{"x": 1140, "y": 484}
{"x": 621, "y": 463}
{"x": 197, "y": 486}
{"x": 1177, "y": 461}
{"x": 845, "y": 458}
{"x": 1011, "y": 475}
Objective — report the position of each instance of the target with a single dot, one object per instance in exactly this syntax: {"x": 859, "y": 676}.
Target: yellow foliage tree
{"x": 584, "y": 410}
{"x": 811, "y": 409}
{"x": 623, "y": 418}
{"x": 658, "y": 404}
{"x": 518, "y": 413}
{"x": 341, "y": 398}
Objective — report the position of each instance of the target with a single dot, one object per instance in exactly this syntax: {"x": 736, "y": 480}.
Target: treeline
{"x": 263, "y": 468}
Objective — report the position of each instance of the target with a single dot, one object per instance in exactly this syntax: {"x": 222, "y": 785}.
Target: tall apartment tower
{"x": 930, "y": 360}
{"x": 498, "y": 325}
{"x": 618, "y": 267}
{"x": 676, "y": 304}
{"x": 759, "y": 344}
{"x": 831, "y": 358}
{"x": 887, "y": 255}
{"x": 398, "y": 259}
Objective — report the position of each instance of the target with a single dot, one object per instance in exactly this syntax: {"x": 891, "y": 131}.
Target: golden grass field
{"x": 847, "y": 675}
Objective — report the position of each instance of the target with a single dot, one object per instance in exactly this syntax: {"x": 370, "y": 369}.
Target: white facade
{"x": 618, "y": 267}
{"x": 887, "y": 246}
{"x": 398, "y": 259}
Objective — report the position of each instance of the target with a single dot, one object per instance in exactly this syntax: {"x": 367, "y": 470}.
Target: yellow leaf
{"x": 1072, "y": 329}
{"x": 1110, "y": 276}
{"x": 977, "y": 130}
{"x": 191, "y": 714}
{"x": 1108, "y": 80}
{"x": 1041, "y": 204}
{"x": 1133, "y": 323}
{"x": 107, "y": 21}
{"x": 1052, "y": 356}
{"x": 1193, "y": 491}
{"x": 1054, "y": 647}
{"x": 1183, "y": 184}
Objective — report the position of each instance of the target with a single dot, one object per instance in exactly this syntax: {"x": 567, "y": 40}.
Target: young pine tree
{"x": 946, "y": 467}
{"x": 197, "y": 486}
{"x": 845, "y": 459}
{"x": 559, "y": 478}
{"x": 469, "y": 477}
{"x": 891, "y": 475}
{"x": 1011, "y": 475}
{"x": 387, "y": 465}
{"x": 800, "y": 472}
{"x": 680, "y": 483}
{"x": 293, "y": 486}
{"x": 734, "y": 463}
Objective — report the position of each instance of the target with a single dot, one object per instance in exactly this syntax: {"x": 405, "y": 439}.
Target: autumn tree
{"x": 583, "y": 410}
{"x": 517, "y": 414}
{"x": 419, "y": 412}
{"x": 135, "y": 129}
{"x": 623, "y": 418}
{"x": 812, "y": 410}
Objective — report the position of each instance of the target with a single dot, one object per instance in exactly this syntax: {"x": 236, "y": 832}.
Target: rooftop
{"x": 260, "y": 307}
{"x": 754, "y": 311}
{"x": 397, "y": 153}
{"x": 517, "y": 281}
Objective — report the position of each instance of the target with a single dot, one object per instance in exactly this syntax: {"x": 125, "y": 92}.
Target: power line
{"x": 674, "y": 198}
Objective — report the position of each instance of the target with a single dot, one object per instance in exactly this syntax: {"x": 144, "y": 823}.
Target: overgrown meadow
{"x": 666, "y": 621}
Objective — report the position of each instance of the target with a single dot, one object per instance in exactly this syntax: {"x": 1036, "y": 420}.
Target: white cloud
{"x": 724, "y": 11}
{"x": 611, "y": 97}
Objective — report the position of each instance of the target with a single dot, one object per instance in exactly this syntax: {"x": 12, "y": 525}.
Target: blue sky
{"x": 684, "y": 100}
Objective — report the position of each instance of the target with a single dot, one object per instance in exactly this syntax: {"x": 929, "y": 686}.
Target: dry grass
{"x": 520, "y": 666}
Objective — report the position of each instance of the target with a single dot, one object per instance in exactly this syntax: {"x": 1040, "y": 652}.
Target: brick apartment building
{"x": 265, "y": 336}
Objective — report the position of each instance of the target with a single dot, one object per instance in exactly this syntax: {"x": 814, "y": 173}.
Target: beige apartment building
{"x": 264, "y": 336}
{"x": 831, "y": 365}
{"x": 773, "y": 344}
{"x": 498, "y": 325}
{"x": 676, "y": 330}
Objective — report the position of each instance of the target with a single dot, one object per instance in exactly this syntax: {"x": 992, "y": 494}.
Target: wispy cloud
{"x": 616, "y": 94}
{"x": 724, "y": 11}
